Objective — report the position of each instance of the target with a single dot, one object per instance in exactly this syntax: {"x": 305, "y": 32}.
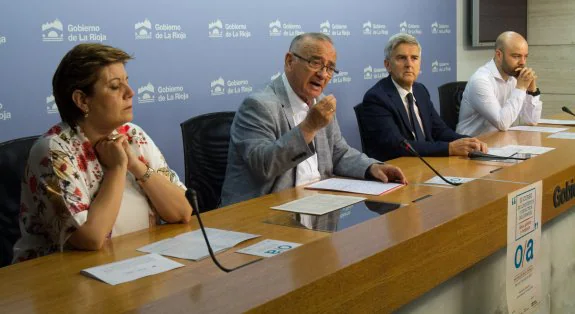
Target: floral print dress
{"x": 62, "y": 178}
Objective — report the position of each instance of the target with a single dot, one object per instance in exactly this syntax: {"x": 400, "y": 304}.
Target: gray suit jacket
{"x": 266, "y": 146}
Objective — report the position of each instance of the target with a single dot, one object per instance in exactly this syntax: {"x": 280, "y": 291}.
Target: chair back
{"x": 358, "y": 115}
{"x": 13, "y": 158}
{"x": 206, "y": 140}
{"x": 450, "y": 95}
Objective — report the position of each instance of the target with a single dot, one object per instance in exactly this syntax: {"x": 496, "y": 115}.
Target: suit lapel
{"x": 280, "y": 91}
{"x": 397, "y": 102}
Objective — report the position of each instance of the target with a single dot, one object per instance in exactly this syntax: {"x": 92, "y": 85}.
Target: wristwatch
{"x": 535, "y": 93}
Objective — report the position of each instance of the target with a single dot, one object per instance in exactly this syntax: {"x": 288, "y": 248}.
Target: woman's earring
{"x": 86, "y": 113}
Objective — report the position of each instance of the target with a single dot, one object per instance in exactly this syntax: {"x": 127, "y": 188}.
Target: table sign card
{"x": 523, "y": 275}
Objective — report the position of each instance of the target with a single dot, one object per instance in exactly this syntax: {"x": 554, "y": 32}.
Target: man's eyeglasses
{"x": 317, "y": 65}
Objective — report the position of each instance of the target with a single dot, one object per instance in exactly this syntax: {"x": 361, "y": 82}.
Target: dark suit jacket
{"x": 385, "y": 123}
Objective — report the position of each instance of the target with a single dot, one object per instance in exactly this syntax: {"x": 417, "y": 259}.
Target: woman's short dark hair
{"x": 79, "y": 70}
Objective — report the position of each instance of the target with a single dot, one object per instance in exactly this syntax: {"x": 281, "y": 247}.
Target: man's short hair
{"x": 397, "y": 40}
{"x": 295, "y": 43}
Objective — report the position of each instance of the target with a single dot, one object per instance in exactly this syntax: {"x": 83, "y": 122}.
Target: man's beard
{"x": 511, "y": 71}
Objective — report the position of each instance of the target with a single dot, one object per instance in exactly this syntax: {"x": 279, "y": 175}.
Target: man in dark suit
{"x": 398, "y": 108}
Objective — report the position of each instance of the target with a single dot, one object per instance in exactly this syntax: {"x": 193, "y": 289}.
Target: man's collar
{"x": 293, "y": 98}
{"x": 492, "y": 67}
{"x": 402, "y": 91}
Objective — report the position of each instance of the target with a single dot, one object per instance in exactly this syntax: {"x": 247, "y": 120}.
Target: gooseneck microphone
{"x": 412, "y": 151}
{"x": 565, "y": 109}
{"x": 192, "y": 198}
{"x": 478, "y": 154}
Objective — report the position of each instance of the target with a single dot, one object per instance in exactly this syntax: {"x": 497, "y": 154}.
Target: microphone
{"x": 478, "y": 154}
{"x": 192, "y": 198}
{"x": 565, "y": 109}
{"x": 410, "y": 149}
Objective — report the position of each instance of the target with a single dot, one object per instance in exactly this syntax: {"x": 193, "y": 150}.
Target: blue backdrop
{"x": 194, "y": 57}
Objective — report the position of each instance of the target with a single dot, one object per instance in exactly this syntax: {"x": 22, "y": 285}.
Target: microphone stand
{"x": 410, "y": 149}
{"x": 192, "y": 198}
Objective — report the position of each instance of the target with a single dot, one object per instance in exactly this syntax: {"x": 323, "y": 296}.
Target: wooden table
{"x": 378, "y": 265}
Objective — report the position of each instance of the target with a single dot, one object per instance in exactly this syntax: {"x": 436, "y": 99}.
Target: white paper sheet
{"x": 192, "y": 246}
{"x": 563, "y": 135}
{"x": 537, "y": 129}
{"x": 354, "y": 186}
{"x": 131, "y": 269}
{"x": 523, "y": 274}
{"x": 510, "y": 150}
{"x": 557, "y": 122}
{"x": 533, "y": 150}
{"x": 268, "y": 248}
{"x": 319, "y": 204}
{"x": 439, "y": 181}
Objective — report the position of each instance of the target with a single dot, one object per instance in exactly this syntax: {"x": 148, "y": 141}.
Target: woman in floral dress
{"x": 94, "y": 175}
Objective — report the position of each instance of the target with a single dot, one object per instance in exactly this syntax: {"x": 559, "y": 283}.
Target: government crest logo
{"x": 143, "y": 30}
{"x": 53, "y": 31}
{"x": 146, "y": 93}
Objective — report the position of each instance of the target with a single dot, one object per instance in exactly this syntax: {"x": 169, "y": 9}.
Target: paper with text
{"x": 510, "y": 150}
{"x": 192, "y": 246}
{"x": 557, "y": 122}
{"x": 319, "y": 204}
{"x": 354, "y": 186}
{"x": 541, "y": 129}
{"x": 268, "y": 248}
{"x": 523, "y": 274}
{"x": 131, "y": 269}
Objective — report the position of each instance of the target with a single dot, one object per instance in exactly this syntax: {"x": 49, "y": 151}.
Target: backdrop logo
{"x": 325, "y": 27}
{"x": 334, "y": 29}
{"x": 374, "y": 29}
{"x": 4, "y": 115}
{"x": 437, "y": 66}
{"x": 285, "y": 29}
{"x": 221, "y": 87}
{"x": 218, "y": 29}
{"x": 437, "y": 28}
{"x": 275, "y": 76}
{"x": 218, "y": 87}
{"x": 340, "y": 78}
{"x": 51, "y": 106}
{"x": 143, "y": 30}
{"x": 412, "y": 29}
{"x": 53, "y": 31}
{"x": 370, "y": 73}
{"x": 146, "y": 93}
{"x": 2, "y": 40}
{"x": 215, "y": 29}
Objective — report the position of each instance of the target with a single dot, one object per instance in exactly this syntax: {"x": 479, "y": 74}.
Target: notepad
{"x": 354, "y": 186}
{"x": 131, "y": 269}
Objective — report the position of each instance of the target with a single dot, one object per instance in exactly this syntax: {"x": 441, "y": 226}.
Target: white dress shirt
{"x": 403, "y": 95}
{"x": 490, "y": 103}
{"x": 307, "y": 170}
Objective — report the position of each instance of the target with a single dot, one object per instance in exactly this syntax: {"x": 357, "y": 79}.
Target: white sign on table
{"x": 523, "y": 275}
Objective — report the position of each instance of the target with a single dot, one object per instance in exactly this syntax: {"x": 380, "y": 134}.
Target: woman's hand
{"x": 111, "y": 152}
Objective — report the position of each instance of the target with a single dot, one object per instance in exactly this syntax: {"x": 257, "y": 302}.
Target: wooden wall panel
{"x": 555, "y": 68}
{"x": 550, "y": 22}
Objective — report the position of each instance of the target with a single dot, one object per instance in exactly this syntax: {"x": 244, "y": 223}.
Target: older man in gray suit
{"x": 287, "y": 134}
